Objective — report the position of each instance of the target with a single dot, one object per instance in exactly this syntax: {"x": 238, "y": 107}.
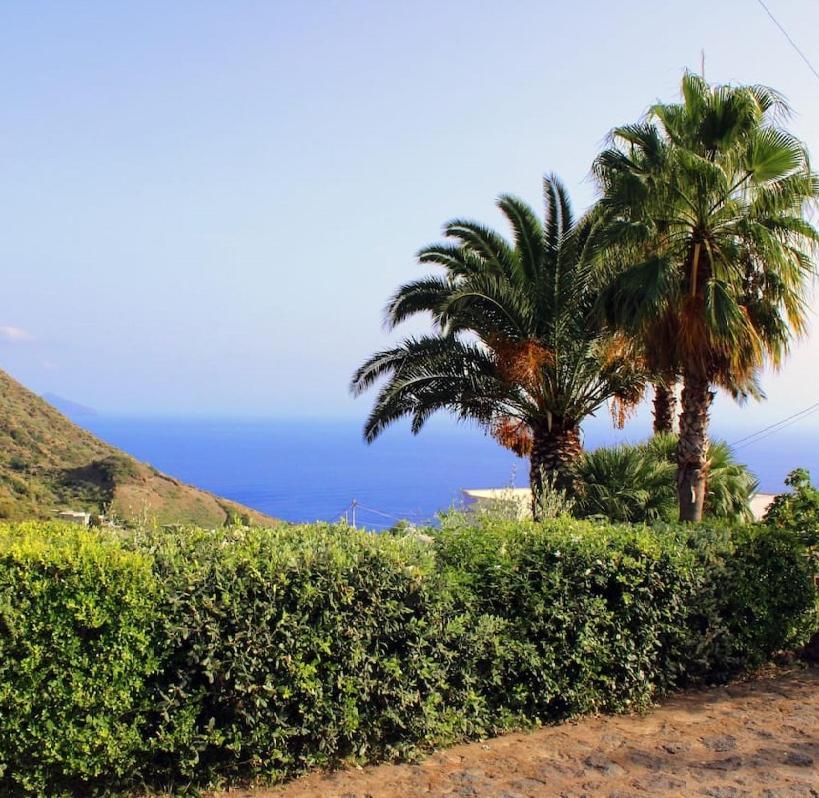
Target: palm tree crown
{"x": 704, "y": 201}
{"x": 515, "y": 345}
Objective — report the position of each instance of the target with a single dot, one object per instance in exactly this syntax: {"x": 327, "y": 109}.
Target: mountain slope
{"x": 48, "y": 463}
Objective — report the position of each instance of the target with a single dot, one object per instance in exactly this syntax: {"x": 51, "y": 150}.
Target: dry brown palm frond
{"x": 620, "y": 348}
{"x": 660, "y": 339}
{"x": 520, "y": 362}
{"x": 514, "y": 434}
{"x": 693, "y": 341}
{"x": 624, "y": 404}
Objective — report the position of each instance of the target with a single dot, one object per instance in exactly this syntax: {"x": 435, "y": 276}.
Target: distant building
{"x": 513, "y": 502}
{"x": 75, "y": 517}
{"x": 517, "y": 502}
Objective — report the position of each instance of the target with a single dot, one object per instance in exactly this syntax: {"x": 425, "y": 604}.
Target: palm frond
{"x": 425, "y": 295}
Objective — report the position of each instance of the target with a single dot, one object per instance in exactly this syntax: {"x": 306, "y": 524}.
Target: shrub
{"x": 798, "y": 509}
{"x": 76, "y": 613}
{"x": 296, "y": 647}
{"x": 748, "y": 595}
{"x": 196, "y": 656}
{"x": 619, "y": 613}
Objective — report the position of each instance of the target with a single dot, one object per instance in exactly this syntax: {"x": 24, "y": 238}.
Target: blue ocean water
{"x": 313, "y": 470}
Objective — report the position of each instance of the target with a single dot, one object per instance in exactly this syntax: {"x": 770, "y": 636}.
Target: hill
{"x": 48, "y": 463}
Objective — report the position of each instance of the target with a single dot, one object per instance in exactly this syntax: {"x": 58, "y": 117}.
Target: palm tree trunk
{"x": 692, "y": 462}
{"x": 665, "y": 406}
{"x": 555, "y": 447}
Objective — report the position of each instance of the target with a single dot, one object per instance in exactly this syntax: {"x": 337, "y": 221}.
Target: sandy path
{"x": 755, "y": 738}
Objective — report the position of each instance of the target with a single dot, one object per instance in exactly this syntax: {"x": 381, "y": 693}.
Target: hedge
{"x": 198, "y": 656}
{"x": 76, "y": 648}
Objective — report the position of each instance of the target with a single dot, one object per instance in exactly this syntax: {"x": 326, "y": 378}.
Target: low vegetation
{"x": 798, "y": 510}
{"x": 187, "y": 658}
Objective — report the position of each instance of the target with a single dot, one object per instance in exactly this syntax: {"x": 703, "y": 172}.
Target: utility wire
{"x": 754, "y": 437}
{"x": 779, "y": 429}
{"x": 378, "y": 512}
{"x": 790, "y": 40}
{"x": 414, "y": 517}
{"x": 338, "y": 516}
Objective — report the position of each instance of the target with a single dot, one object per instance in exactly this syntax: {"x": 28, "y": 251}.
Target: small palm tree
{"x": 625, "y": 484}
{"x": 637, "y": 484}
{"x": 516, "y": 344}
{"x": 705, "y": 202}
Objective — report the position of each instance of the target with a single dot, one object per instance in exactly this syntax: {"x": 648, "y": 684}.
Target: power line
{"x": 336, "y": 517}
{"x": 790, "y": 40}
{"x": 776, "y": 423}
{"x": 380, "y": 512}
{"x": 757, "y": 436}
{"x": 350, "y": 515}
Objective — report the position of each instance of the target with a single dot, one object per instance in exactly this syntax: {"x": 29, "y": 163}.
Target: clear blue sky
{"x": 206, "y": 204}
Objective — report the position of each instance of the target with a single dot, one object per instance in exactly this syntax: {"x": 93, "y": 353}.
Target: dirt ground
{"x": 753, "y": 738}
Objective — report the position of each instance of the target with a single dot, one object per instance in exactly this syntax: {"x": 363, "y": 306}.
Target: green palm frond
{"x": 484, "y": 242}
{"x": 773, "y": 154}
{"x": 640, "y": 293}
{"x": 454, "y": 258}
{"x": 428, "y": 294}
{"x": 528, "y": 235}
{"x": 427, "y": 374}
{"x": 488, "y": 304}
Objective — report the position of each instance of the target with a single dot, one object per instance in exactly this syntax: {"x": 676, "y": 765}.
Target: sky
{"x": 205, "y": 205}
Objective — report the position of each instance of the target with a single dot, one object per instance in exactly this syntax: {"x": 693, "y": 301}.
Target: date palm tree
{"x": 516, "y": 344}
{"x": 709, "y": 197}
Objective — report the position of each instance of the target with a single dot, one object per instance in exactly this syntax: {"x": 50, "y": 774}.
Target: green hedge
{"x": 76, "y": 649}
{"x": 199, "y": 656}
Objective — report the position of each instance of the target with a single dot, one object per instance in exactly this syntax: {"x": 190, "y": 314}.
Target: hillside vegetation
{"x": 48, "y": 463}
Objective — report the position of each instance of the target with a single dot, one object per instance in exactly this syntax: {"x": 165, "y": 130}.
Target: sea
{"x": 310, "y": 470}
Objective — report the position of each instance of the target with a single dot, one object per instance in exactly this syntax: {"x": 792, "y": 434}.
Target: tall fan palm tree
{"x": 708, "y": 196}
{"x": 516, "y": 345}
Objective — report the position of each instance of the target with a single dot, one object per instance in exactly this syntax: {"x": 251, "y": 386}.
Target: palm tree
{"x": 708, "y": 197}
{"x": 516, "y": 345}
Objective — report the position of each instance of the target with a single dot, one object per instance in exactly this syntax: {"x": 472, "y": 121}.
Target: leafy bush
{"x": 798, "y": 509}
{"x": 749, "y": 594}
{"x": 196, "y": 656}
{"x": 292, "y": 648}
{"x": 76, "y": 612}
{"x": 637, "y": 483}
{"x": 625, "y": 610}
